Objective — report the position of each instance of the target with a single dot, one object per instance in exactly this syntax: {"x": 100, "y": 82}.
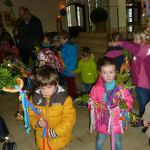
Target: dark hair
{"x": 47, "y": 35}
{"x": 63, "y": 34}
{"x": 45, "y": 76}
{"x": 115, "y": 36}
{"x": 105, "y": 61}
{"x": 85, "y": 51}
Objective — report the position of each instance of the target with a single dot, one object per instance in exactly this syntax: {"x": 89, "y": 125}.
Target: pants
{"x": 100, "y": 139}
{"x": 71, "y": 86}
{"x": 26, "y": 54}
{"x": 142, "y": 96}
{"x": 86, "y": 88}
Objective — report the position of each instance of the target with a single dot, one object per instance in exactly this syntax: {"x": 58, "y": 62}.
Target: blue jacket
{"x": 69, "y": 54}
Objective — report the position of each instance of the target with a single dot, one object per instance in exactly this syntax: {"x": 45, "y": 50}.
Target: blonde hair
{"x": 140, "y": 33}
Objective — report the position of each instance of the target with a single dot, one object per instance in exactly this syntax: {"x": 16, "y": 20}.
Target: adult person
{"x": 30, "y": 33}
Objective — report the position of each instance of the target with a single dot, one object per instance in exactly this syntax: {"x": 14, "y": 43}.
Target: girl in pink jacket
{"x": 107, "y": 116}
{"x": 140, "y": 67}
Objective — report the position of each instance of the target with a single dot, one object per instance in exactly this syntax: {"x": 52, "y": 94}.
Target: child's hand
{"x": 113, "y": 43}
{"x": 146, "y": 124}
{"x": 41, "y": 123}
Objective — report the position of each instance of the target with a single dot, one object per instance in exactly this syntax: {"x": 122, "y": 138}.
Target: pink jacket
{"x": 97, "y": 95}
{"x": 140, "y": 66}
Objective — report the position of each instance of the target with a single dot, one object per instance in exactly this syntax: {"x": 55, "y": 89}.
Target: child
{"x": 46, "y": 56}
{"x": 106, "y": 98}
{"x": 55, "y": 108}
{"x": 115, "y": 52}
{"x": 140, "y": 66}
{"x": 146, "y": 118}
{"x": 69, "y": 54}
{"x": 88, "y": 69}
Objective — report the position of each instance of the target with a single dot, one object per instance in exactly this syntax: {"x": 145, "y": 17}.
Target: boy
{"x": 88, "y": 69}
{"x": 69, "y": 54}
{"x": 57, "y": 114}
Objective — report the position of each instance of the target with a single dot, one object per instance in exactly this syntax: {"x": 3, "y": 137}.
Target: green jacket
{"x": 88, "y": 70}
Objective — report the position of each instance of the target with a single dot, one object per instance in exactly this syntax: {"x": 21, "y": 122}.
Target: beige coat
{"x": 146, "y": 117}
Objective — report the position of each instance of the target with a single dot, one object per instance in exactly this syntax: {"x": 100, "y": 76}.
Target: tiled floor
{"x": 82, "y": 139}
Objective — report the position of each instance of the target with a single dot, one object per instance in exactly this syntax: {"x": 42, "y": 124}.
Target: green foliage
{"x": 7, "y": 78}
{"x": 124, "y": 79}
{"x": 83, "y": 99}
{"x": 123, "y": 104}
{"x": 98, "y": 15}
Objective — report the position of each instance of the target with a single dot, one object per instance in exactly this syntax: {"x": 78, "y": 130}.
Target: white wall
{"x": 46, "y": 10}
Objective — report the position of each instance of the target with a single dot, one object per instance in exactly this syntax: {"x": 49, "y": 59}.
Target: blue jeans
{"x": 142, "y": 96}
{"x": 100, "y": 139}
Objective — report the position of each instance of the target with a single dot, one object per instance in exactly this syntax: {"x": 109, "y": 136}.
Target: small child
{"x": 69, "y": 55}
{"x": 87, "y": 68}
{"x": 46, "y": 56}
{"x": 105, "y": 106}
{"x": 56, "y": 110}
{"x": 140, "y": 71}
{"x": 115, "y": 52}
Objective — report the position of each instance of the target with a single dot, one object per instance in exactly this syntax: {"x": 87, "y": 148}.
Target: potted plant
{"x": 99, "y": 17}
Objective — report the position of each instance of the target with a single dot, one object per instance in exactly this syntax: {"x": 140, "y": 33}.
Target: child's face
{"x": 85, "y": 57}
{"x": 48, "y": 90}
{"x": 62, "y": 40}
{"x": 137, "y": 40}
{"x": 108, "y": 73}
{"x": 56, "y": 43}
{"x": 46, "y": 40}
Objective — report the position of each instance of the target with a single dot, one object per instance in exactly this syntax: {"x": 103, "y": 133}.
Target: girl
{"x": 140, "y": 66}
{"x": 46, "y": 56}
{"x": 106, "y": 113}
{"x": 115, "y": 52}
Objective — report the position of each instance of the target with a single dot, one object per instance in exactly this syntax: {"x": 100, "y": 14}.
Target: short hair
{"x": 115, "y": 36}
{"x": 46, "y": 76}
{"x": 105, "y": 61}
{"x": 63, "y": 34}
{"x": 47, "y": 35}
{"x": 85, "y": 51}
{"x": 140, "y": 33}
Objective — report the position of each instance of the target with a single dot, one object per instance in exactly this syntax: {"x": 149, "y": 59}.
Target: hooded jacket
{"x": 60, "y": 115}
{"x": 88, "y": 70}
{"x": 69, "y": 54}
{"x": 101, "y": 124}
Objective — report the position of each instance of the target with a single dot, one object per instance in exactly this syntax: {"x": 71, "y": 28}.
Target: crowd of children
{"x": 57, "y": 63}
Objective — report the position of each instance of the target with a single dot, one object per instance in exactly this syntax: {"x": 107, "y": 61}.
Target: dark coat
{"x": 30, "y": 33}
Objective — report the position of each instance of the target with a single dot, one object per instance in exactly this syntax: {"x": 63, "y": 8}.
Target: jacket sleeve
{"x": 128, "y": 98}
{"x": 68, "y": 119}
{"x": 130, "y": 46}
{"x": 146, "y": 115}
{"x": 93, "y": 94}
{"x": 78, "y": 70}
{"x": 94, "y": 70}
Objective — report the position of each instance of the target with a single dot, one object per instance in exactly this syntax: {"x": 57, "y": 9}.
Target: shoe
{"x": 144, "y": 130}
{"x": 137, "y": 123}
